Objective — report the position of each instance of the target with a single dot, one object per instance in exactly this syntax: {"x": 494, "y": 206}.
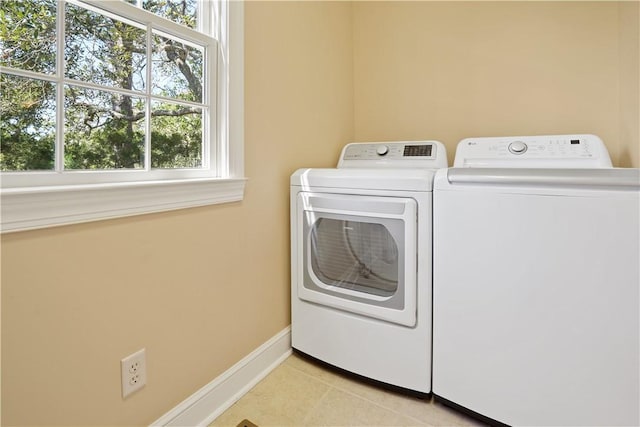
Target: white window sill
{"x": 39, "y": 207}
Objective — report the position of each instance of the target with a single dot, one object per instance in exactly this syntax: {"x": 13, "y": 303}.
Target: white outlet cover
{"x": 133, "y": 369}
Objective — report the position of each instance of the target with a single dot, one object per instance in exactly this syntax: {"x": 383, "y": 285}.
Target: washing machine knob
{"x": 382, "y": 150}
{"x": 517, "y": 147}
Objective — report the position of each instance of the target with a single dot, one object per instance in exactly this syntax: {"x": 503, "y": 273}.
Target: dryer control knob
{"x": 517, "y": 147}
{"x": 382, "y": 150}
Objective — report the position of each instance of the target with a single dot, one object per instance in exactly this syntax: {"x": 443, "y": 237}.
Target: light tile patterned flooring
{"x": 302, "y": 393}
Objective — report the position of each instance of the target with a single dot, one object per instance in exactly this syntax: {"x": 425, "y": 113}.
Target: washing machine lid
{"x": 414, "y": 180}
{"x": 536, "y": 178}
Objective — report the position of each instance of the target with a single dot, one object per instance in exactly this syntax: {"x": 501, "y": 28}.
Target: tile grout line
{"x": 305, "y": 420}
{"x": 381, "y": 406}
{"x": 419, "y": 422}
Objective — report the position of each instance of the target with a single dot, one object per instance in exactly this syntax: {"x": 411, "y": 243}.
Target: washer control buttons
{"x": 517, "y": 147}
{"x": 382, "y": 150}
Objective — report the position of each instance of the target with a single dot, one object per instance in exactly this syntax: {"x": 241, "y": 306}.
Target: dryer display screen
{"x": 417, "y": 150}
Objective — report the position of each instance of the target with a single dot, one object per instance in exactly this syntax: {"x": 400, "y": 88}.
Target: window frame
{"x": 38, "y": 206}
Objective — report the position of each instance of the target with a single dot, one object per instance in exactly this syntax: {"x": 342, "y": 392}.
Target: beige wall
{"x": 199, "y": 288}
{"x": 211, "y": 284}
{"x": 629, "y": 150}
{"x": 450, "y": 70}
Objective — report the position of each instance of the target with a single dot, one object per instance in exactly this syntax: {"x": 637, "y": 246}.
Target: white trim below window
{"x": 38, "y": 207}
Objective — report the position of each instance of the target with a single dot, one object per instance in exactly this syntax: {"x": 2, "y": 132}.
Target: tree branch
{"x": 178, "y": 55}
{"x": 92, "y": 111}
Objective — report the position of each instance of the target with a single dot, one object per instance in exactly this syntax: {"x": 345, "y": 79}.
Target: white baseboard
{"x": 205, "y": 405}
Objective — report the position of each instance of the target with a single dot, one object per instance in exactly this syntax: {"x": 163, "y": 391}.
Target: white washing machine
{"x": 536, "y": 282}
{"x": 361, "y": 261}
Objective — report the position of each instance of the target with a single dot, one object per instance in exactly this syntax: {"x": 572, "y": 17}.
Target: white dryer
{"x": 536, "y": 282}
{"x": 361, "y": 261}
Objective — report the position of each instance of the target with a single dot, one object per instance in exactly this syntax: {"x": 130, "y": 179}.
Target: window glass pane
{"x": 103, "y": 50}
{"x": 176, "y": 136}
{"x": 183, "y": 12}
{"x": 28, "y": 35}
{"x": 355, "y": 255}
{"x": 177, "y": 69}
{"x": 27, "y": 124}
{"x": 132, "y": 96}
{"x": 103, "y": 130}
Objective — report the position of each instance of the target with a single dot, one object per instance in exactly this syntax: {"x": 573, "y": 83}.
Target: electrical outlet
{"x": 134, "y": 372}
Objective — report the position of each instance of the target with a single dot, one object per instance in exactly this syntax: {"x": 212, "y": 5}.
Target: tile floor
{"x": 302, "y": 393}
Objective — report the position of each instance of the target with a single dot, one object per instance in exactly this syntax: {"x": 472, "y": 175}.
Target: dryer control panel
{"x": 394, "y": 154}
{"x": 546, "y": 151}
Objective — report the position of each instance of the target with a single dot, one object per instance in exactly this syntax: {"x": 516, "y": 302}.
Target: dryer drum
{"x": 355, "y": 255}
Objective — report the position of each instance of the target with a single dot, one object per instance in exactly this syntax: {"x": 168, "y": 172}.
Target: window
{"x": 118, "y": 108}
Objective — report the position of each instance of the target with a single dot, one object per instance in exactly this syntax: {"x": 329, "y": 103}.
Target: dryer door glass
{"x": 357, "y": 253}
{"x": 360, "y": 256}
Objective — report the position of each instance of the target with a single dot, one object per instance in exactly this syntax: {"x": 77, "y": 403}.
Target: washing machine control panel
{"x": 395, "y": 154}
{"x": 550, "y": 151}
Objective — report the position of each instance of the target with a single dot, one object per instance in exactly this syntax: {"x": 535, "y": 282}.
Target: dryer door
{"x": 358, "y": 254}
